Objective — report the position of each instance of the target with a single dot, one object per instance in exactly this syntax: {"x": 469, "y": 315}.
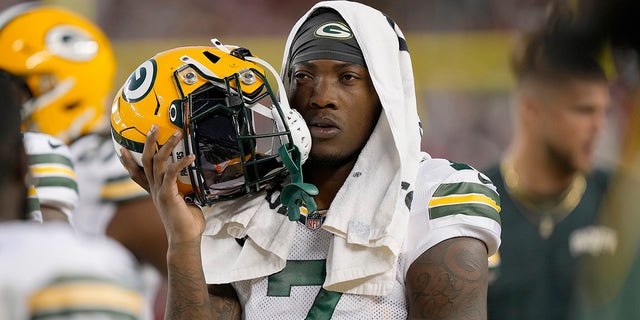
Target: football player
{"x": 53, "y": 176}
{"x": 375, "y": 229}
{"x": 47, "y": 271}
{"x": 67, "y": 66}
{"x": 53, "y": 186}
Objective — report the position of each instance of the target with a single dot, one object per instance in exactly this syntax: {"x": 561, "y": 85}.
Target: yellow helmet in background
{"x": 66, "y": 63}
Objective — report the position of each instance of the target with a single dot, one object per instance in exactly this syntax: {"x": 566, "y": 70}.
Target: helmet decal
{"x": 72, "y": 43}
{"x": 140, "y": 82}
{"x": 231, "y": 119}
{"x": 173, "y": 113}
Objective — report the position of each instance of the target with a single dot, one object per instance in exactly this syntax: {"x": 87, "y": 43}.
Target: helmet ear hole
{"x": 279, "y": 124}
{"x": 71, "y": 106}
{"x": 299, "y": 130}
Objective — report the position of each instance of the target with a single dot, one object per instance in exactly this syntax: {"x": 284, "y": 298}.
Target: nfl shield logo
{"x": 314, "y": 221}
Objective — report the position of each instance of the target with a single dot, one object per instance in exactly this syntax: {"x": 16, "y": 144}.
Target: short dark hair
{"x": 555, "y": 52}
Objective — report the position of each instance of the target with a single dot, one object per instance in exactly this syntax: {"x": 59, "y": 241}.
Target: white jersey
{"x": 296, "y": 293}
{"x": 49, "y": 272}
{"x": 103, "y": 183}
{"x": 52, "y": 171}
{"x": 450, "y": 200}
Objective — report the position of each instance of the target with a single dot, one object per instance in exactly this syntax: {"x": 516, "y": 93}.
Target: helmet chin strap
{"x": 297, "y": 193}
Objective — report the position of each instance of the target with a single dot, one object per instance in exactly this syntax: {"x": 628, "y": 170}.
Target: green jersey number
{"x": 305, "y": 273}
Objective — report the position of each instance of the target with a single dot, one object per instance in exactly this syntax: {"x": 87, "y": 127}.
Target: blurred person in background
{"x": 609, "y": 284}
{"x": 47, "y": 271}
{"x": 66, "y": 67}
{"x": 549, "y": 188}
{"x": 53, "y": 187}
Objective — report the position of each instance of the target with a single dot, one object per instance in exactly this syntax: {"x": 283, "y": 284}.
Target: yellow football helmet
{"x": 67, "y": 65}
{"x": 244, "y": 138}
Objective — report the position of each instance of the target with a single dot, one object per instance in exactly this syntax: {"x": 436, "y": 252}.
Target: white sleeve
{"x": 51, "y": 166}
{"x": 452, "y": 200}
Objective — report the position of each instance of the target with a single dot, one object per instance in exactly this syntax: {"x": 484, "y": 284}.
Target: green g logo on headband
{"x": 334, "y": 30}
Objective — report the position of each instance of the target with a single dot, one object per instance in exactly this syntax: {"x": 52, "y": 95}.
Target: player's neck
{"x": 538, "y": 176}
{"x": 539, "y": 196}
{"x": 328, "y": 180}
{"x": 540, "y": 173}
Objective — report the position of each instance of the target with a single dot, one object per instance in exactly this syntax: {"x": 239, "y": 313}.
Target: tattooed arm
{"x": 449, "y": 281}
{"x": 224, "y": 302}
{"x": 188, "y": 296}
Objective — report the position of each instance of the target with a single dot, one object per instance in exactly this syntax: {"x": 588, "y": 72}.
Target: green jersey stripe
{"x": 49, "y": 158}
{"x": 57, "y": 182}
{"x": 469, "y": 209}
{"x": 33, "y": 204}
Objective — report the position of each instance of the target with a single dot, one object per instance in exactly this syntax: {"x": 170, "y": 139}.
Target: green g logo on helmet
{"x": 334, "y": 30}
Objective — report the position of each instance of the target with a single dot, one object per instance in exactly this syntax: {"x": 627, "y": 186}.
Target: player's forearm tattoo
{"x": 449, "y": 281}
{"x": 224, "y": 302}
{"x": 188, "y": 295}
{"x": 186, "y": 302}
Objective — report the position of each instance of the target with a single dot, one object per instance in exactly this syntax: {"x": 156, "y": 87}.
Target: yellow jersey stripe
{"x": 50, "y": 171}
{"x": 82, "y": 295}
{"x": 464, "y": 198}
{"x": 31, "y": 191}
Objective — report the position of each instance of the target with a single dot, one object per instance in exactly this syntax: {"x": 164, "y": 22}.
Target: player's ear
{"x": 528, "y": 104}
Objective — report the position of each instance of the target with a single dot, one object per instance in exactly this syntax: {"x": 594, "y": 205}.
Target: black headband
{"x": 325, "y": 35}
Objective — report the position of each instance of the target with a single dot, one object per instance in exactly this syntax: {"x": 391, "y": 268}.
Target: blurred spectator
{"x": 46, "y": 271}
{"x": 53, "y": 187}
{"x": 609, "y": 284}
{"x": 65, "y": 65}
{"x": 550, "y": 192}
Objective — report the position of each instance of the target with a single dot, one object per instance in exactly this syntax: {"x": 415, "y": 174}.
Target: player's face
{"x": 339, "y": 104}
{"x": 571, "y": 121}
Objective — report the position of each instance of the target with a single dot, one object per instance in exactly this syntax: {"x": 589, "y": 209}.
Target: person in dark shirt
{"x": 550, "y": 192}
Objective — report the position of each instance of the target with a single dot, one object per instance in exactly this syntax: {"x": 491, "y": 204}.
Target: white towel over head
{"x": 370, "y": 214}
